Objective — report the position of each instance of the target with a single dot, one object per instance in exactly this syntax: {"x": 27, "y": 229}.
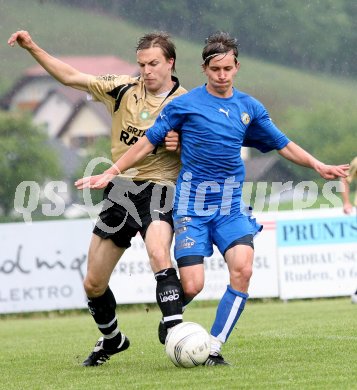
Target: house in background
{"x": 268, "y": 168}
{"x": 71, "y": 119}
{"x": 35, "y": 83}
{"x": 66, "y": 113}
{"x": 272, "y": 173}
{"x": 69, "y": 116}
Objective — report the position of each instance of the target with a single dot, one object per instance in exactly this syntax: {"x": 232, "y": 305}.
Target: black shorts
{"x": 130, "y": 206}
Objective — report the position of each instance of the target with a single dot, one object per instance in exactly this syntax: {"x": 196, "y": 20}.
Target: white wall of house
{"x": 53, "y": 114}
{"x": 86, "y": 124}
{"x": 32, "y": 93}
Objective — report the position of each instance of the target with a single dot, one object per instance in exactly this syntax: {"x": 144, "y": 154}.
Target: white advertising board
{"x": 297, "y": 255}
{"x": 42, "y": 265}
{"x": 317, "y": 257}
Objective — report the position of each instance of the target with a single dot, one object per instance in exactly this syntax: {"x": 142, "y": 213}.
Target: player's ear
{"x": 171, "y": 62}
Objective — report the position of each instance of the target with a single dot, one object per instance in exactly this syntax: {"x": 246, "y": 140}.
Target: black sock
{"x": 103, "y": 311}
{"x": 186, "y": 301}
{"x": 169, "y": 296}
{"x": 113, "y": 342}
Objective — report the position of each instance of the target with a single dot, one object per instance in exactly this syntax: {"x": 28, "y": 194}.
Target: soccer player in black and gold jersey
{"x": 131, "y": 206}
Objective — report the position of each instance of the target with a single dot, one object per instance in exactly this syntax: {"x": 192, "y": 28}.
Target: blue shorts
{"x": 195, "y": 235}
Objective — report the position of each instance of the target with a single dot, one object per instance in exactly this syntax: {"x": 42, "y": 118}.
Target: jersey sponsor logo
{"x": 187, "y": 242}
{"x": 169, "y": 298}
{"x": 182, "y": 222}
{"x": 135, "y": 131}
{"x": 245, "y": 117}
{"x": 180, "y": 230}
{"x": 185, "y": 219}
{"x": 107, "y": 77}
{"x": 127, "y": 139}
{"x": 225, "y": 112}
{"x": 131, "y": 135}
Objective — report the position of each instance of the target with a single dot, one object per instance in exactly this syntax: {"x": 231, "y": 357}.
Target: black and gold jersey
{"x": 133, "y": 111}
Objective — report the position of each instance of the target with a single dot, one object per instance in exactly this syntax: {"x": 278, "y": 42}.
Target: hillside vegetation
{"x": 316, "y": 35}
{"x": 71, "y": 31}
{"x": 291, "y": 95}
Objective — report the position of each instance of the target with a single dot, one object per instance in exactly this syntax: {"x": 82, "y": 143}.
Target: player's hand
{"x": 347, "y": 208}
{"x": 96, "y": 182}
{"x": 330, "y": 172}
{"x": 172, "y": 141}
{"x": 23, "y": 38}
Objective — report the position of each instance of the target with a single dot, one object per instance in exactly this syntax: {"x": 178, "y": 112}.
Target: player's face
{"x": 155, "y": 70}
{"x": 220, "y": 73}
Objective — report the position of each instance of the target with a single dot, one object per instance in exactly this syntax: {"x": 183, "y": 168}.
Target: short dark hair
{"x": 219, "y": 43}
{"x": 159, "y": 39}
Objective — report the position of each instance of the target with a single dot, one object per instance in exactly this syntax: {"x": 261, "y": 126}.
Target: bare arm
{"x": 299, "y": 156}
{"x": 345, "y": 194}
{"x": 137, "y": 152}
{"x": 61, "y": 71}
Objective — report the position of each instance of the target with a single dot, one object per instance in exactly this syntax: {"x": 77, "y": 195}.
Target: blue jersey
{"x": 213, "y": 131}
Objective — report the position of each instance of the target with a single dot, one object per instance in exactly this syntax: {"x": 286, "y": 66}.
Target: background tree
{"x": 325, "y": 131}
{"x": 99, "y": 149}
{"x": 316, "y": 35}
{"x": 25, "y": 155}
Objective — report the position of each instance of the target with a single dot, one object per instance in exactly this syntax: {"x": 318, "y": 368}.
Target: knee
{"x": 192, "y": 288}
{"x": 93, "y": 289}
{"x": 243, "y": 273}
{"x": 247, "y": 273}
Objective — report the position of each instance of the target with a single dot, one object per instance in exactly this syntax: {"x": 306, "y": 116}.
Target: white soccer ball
{"x": 187, "y": 345}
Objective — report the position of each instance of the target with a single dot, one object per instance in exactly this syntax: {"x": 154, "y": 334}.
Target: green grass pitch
{"x": 305, "y": 344}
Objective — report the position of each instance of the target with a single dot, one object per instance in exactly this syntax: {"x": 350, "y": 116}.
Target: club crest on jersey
{"x": 245, "y": 118}
{"x": 144, "y": 115}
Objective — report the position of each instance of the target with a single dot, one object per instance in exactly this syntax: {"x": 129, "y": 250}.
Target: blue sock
{"x": 228, "y": 311}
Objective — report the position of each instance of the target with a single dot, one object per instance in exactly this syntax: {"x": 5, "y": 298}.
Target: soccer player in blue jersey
{"x": 214, "y": 121}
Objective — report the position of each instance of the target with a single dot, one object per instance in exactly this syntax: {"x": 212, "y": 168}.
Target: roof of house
{"x": 74, "y": 96}
{"x": 78, "y": 99}
{"x": 97, "y": 107}
{"x": 268, "y": 168}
